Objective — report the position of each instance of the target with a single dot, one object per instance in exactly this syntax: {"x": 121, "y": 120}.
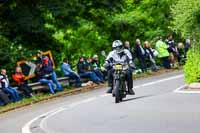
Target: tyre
{"x": 117, "y": 91}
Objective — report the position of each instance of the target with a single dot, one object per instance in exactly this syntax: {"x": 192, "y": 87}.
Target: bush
{"x": 192, "y": 66}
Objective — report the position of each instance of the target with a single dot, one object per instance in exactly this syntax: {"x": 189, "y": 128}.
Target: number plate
{"x": 118, "y": 67}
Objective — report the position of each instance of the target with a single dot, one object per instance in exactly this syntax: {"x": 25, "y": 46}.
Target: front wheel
{"x": 117, "y": 92}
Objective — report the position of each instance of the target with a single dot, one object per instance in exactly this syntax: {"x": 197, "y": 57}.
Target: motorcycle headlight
{"x": 118, "y": 67}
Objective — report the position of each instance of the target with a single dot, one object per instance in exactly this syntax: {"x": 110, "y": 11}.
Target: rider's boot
{"x": 131, "y": 92}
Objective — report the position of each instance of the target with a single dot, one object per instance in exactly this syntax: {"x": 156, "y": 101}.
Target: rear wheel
{"x": 117, "y": 93}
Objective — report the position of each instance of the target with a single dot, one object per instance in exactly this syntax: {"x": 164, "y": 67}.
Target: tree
{"x": 186, "y": 21}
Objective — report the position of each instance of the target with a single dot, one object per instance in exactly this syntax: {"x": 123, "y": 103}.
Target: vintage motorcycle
{"x": 120, "y": 88}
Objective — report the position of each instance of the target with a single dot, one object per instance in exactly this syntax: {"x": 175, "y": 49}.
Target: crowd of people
{"x": 166, "y": 52}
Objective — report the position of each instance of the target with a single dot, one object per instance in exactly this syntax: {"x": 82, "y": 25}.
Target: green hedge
{"x": 192, "y": 66}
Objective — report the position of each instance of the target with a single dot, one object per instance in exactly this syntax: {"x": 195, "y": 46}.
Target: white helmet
{"x": 116, "y": 43}
{"x": 118, "y": 46}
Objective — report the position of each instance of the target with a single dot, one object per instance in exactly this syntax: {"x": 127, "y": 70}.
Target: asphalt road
{"x": 155, "y": 108}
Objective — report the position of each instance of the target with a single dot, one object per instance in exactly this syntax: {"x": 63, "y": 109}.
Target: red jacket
{"x": 18, "y": 78}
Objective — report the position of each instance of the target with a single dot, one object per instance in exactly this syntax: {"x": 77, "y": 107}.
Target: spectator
{"x": 149, "y": 55}
{"x": 181, "y": 53}
{"x": 43, "y": 79}
{"x": 187, "y": 45}
{"x": 21, "y": 82}
{"x": 170, "y": 42}
{"x": 139, "y": 53}
{"x": 172, "y": 49}
{"x": 5, "y": 86}
{"x": 84, "y": 71}
{"x": 47, "y": 68}
{"x": 127, "y": 46}
{"x": 163, "y": 53}
{"x": 95, "y": 67}
{"x": 68, "y": 72}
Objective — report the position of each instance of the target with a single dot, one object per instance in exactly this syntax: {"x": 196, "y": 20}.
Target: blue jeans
{"x": 99, "y": 74}
{"x": 54, "y": 78}
{"x": 74, "y": 76}
{"x": 49, "y": 83}
{"x": 90, "y": 75}
{"x": 13, "y": 93}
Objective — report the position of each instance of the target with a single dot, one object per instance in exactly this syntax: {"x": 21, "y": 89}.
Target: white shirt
{"x": 123, "y": 59}
{"x": 5, "y": 80}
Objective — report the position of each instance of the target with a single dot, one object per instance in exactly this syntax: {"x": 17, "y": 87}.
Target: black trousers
{"x": 166, "y": 62}
{"x": 26, "y": 89}
{"x": 142, "y": 63}
{"x": 4, "y": 98}
{"x": 128, "y": 76}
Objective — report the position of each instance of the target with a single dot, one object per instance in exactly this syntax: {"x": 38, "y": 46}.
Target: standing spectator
{"x": 127, "y": 46}
{"x": 43, "y": 79}
{"x": 181, "y": 53}
{"x": 21, "y": 82}
{"x": 187, "y": 45}
{"x": 163, "y": 53}
{"x": 139, "y": 53}
{"x": 170, "y": 42}
{"x": 47, "y": 68}
{"x": 149, "y": 55}
{"x": 5, "y": 86}
{"x": 172, "y": 49}
{"x": 84, "y": 71}
{"x": 68, "y": 72}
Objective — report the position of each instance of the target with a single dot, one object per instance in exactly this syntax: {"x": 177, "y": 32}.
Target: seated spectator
{"x": 68, "y": 72}
{"x": 21, "y": 82}
{"x": 139, "y": 53}
{"x": 47, "y": 68}
{"x": 43, "y": 79}
{"x": 5, "y": 86}
{"x": 181, "y": 53}
{"x": 149, "y": 55}
{"x": 95, "y": 67}
{"x": 85, "y": 72}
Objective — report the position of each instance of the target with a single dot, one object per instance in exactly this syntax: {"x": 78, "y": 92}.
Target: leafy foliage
{"x": 186, "y": 14}
{"x": 75, "y": 28}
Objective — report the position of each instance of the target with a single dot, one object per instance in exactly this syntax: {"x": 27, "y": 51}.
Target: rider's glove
{"x": 132, "y": 66}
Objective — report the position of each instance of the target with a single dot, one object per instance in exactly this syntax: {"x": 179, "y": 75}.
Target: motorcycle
{"x": 120, "y": 88}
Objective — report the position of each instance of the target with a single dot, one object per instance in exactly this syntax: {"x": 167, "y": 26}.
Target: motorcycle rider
{"x": 119, "y": 54}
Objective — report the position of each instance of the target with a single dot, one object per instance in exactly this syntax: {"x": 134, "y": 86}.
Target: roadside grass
{"x": 70, "y": 91}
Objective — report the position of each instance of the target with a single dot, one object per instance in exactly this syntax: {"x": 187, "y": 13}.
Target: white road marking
{"x": 159, "y": 81}
{"x": 181, "y": 90}
{"x": 26, "y": 127}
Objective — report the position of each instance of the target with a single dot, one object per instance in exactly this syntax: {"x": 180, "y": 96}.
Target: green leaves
{"x": 75, "y": 28}
{"x": 186, "y": 22}
{"x": 185, "y": 17}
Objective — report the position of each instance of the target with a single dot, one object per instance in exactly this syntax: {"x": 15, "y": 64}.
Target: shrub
{"x": 192, "y": 66}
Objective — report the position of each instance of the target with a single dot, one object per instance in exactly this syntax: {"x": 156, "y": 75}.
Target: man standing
{"x": 139, "y": 53}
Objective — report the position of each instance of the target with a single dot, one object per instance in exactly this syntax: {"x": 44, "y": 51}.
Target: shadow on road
{"x": 135, "y": 98}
